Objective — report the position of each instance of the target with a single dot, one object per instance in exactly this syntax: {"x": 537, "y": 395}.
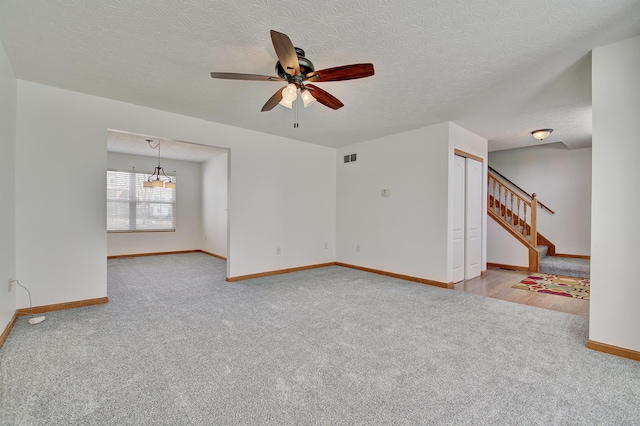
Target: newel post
{"x": 534, "y": 220}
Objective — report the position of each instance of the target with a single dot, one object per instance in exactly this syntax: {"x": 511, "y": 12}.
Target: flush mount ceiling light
{"x": 159, "y": 178}
{"x": 541, "y": 133}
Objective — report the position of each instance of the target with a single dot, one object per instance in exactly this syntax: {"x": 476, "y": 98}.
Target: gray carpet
{"x": 563, "y": 266}
{"x": 178, "y": 345}
{"x": 566, "y": 266}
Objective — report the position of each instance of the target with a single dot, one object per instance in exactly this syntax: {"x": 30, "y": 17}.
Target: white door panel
{"x": 473, "y": 219}
{"x": 458, "y": 218}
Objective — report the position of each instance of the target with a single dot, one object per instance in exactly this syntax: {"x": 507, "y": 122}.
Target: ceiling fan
{"x": 293, "y": 68}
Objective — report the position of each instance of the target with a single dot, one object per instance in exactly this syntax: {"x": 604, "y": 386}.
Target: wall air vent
{"x": 350, "y": 158}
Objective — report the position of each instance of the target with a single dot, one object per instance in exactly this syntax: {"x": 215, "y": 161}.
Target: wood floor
{"x": 497, "y": 284}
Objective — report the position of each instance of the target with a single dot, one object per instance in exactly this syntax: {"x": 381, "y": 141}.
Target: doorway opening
{"x": 200, "y": 201}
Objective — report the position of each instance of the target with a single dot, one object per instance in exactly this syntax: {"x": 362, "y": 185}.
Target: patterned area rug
{"x": 551, "y": 284}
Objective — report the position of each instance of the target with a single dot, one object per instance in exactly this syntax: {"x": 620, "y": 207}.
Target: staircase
{"x": 565, "y": 266}
{"x": 518, "y": 215}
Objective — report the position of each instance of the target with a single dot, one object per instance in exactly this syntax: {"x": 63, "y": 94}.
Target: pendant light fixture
{"x": 159, "y": 178}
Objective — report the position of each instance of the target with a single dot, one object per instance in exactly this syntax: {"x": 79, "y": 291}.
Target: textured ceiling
{"x": 499, "y": 68}
{"x": 131, "y": 143}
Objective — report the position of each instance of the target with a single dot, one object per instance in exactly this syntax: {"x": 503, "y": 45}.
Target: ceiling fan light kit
{"x": 290, "y": 93}
{"x": 307, "y": 98}
{"x": 285, "y": 103}
{"x": 293, "y": 68}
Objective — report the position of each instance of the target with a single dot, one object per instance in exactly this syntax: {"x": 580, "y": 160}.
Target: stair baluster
{"x": 503, "y": 208}
{"x": 512, "y": 216}
{"x": 493, "y": 195}
{"x": 534, "y": 220}
{"x": 518, "y": 217}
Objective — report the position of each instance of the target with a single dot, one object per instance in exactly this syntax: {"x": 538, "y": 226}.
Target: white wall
{"x": 282, "y": 192}
{"x": 503, "y": 248}
{"x": 404, "y": 233}
{"x": 407, "y": 232}
{"x": 8, "y": 90}
{"x": 561, "y": 179}
{"x": 188, "y": 233}
{"x": 614, "y": 314}
{"x": 215, "y": 174}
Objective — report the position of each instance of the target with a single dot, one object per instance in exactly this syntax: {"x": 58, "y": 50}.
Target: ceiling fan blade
{"x": 238, "y": 76}
{"x": 273, "y": 101}
{"x": 325, "y": 98}
{"x": 345, "y": 72}
{"x": 286, "y": 52}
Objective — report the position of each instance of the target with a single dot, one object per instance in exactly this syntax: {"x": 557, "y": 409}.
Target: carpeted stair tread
{"x": 565, "y": 266}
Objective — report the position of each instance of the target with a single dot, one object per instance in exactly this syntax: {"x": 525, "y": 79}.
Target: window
{"x": 133, "y": 208}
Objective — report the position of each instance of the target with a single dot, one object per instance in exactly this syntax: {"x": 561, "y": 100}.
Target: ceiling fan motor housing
{"x": 306, "y": 66}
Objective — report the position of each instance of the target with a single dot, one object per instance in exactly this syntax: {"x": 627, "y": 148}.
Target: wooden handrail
{"x": 520, "y": 189}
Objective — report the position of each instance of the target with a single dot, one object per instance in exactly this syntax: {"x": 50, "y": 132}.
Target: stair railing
{"x": 497, "y": 173}
{"x": 513, "y": 210}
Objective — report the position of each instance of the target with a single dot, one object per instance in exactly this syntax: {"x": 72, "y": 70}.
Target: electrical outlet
{"x": 10, "y": 284}
{"x": 277, "y": 250}
{"x": 326, "y": 246}
{"x": 358, "y": 247}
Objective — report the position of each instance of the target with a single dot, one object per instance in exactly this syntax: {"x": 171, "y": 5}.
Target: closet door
{"x": 459, "y": 182}
{"x": 473, "y": 219}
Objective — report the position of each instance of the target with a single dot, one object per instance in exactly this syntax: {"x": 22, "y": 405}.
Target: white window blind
{"x": 131, "y": 207}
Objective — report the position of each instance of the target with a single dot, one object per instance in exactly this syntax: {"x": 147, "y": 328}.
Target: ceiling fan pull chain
{"x": 295, "y": 114}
